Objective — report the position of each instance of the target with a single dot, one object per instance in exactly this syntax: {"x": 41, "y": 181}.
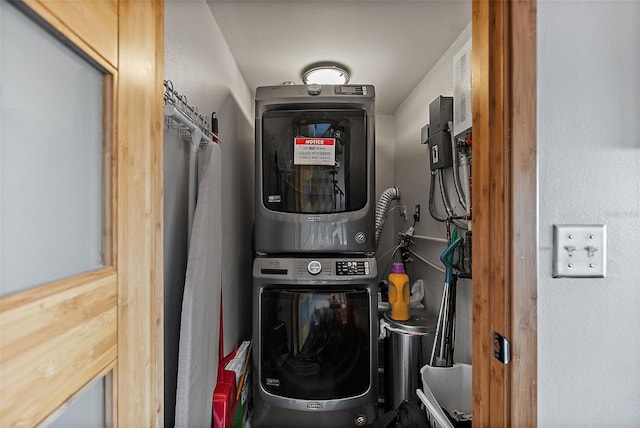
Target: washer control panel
{"x": 315, "y": 269}
{"x": 352, "y": 267}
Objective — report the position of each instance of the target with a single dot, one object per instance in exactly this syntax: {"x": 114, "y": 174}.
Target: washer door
{"x": 315, "y": 343}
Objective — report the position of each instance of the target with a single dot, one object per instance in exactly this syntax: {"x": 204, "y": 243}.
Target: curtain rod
{"x": 184, "y": 116}
{"x": 173, "y": 113}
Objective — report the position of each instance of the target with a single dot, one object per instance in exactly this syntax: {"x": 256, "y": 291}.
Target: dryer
{"x": 315, "y": 169}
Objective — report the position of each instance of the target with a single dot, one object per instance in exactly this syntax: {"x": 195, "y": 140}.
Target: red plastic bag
{"x": 224, "y": 399}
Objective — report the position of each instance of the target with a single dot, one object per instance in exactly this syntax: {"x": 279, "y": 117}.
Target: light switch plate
{"x": 579, "y": 251}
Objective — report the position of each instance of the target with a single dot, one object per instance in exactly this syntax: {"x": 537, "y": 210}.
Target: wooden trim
{"x": 504, "y": 211}
{"x": 53, "y": 343}
{"x": 111, "y": 398}
{"x": 108, "y": 171}
{"x": 499, "y": 255}
{"x": 524, "y": 232}
{"x": 481, "y": 220}
{"x": 481, "y": 223}
{"x": 157, "y": 185}
{"x": 139, "y": 213}
{"x": 90, "y": 25}
{"x": 18, "y": 300}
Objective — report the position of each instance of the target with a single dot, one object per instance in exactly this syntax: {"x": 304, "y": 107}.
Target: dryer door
{"x": 314, "y": 161}
{"x": 315, "y": 343}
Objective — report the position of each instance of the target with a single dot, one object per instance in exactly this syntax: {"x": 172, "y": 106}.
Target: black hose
{"x": 432, "y": 203}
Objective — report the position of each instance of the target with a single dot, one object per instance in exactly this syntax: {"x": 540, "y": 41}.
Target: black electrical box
{"x": 440, "y": 155}
{"x": 439, "y": 139}
{"x": 440, "y": 113}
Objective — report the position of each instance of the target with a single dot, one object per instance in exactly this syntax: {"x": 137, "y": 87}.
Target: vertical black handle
{"x": 214, "y": 123}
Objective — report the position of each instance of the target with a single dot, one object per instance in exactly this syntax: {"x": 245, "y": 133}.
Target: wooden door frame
{"x": 504, "y": 211}
{"x": 140, "y": 380}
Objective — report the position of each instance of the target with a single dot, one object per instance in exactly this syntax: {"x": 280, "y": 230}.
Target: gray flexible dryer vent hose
{"x": 382, "y": 209}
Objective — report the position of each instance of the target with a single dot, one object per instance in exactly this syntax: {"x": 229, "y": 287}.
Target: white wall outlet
{"x": 579, "y": 251}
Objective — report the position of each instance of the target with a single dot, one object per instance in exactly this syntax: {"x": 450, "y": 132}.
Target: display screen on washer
{"x": 315, "y": 344}
{"x": 352, "y": 268}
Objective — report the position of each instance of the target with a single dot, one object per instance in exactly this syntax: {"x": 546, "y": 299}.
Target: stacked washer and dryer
{"x": 314, "y": 275}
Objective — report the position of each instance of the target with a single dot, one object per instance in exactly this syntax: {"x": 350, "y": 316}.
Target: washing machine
{"x": 315, "y": 330}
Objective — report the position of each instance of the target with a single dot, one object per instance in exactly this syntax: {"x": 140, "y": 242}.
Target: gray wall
{"x": 589, "y": 172}
{"x": 411, "y": 172}
{"x": 200, "y": 65}
{"x": 385, "y": 143}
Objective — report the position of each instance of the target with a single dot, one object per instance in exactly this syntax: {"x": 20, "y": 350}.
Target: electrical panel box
{"x": 440, "y": 113}
{"x": 440, "y": 155}
{"x": 439, "y": 138}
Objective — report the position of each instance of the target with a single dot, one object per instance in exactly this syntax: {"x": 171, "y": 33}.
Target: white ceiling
{"x": 391, "y": 44}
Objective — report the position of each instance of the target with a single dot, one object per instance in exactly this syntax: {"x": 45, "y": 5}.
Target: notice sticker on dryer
{"x": 314, "y": 151}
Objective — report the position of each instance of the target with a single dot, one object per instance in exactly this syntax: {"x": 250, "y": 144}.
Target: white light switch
{"x": 579, "y": 251}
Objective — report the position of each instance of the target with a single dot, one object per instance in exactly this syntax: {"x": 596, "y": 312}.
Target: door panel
{"x": 51, "y": 158}
{"x": 55, "y": 339}
{"x": 93, "y": 22}
{"x": 85, "y": 410}
{"x": 58, "y": 338}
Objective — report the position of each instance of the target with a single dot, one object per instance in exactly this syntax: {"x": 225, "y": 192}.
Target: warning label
{"x": 314, "y": 151}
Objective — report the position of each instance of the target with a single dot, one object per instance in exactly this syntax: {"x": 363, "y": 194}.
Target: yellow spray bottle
{"x": 399, "y": 292}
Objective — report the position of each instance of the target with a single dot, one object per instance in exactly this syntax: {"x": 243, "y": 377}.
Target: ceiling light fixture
{"x": 325, "y": 74}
